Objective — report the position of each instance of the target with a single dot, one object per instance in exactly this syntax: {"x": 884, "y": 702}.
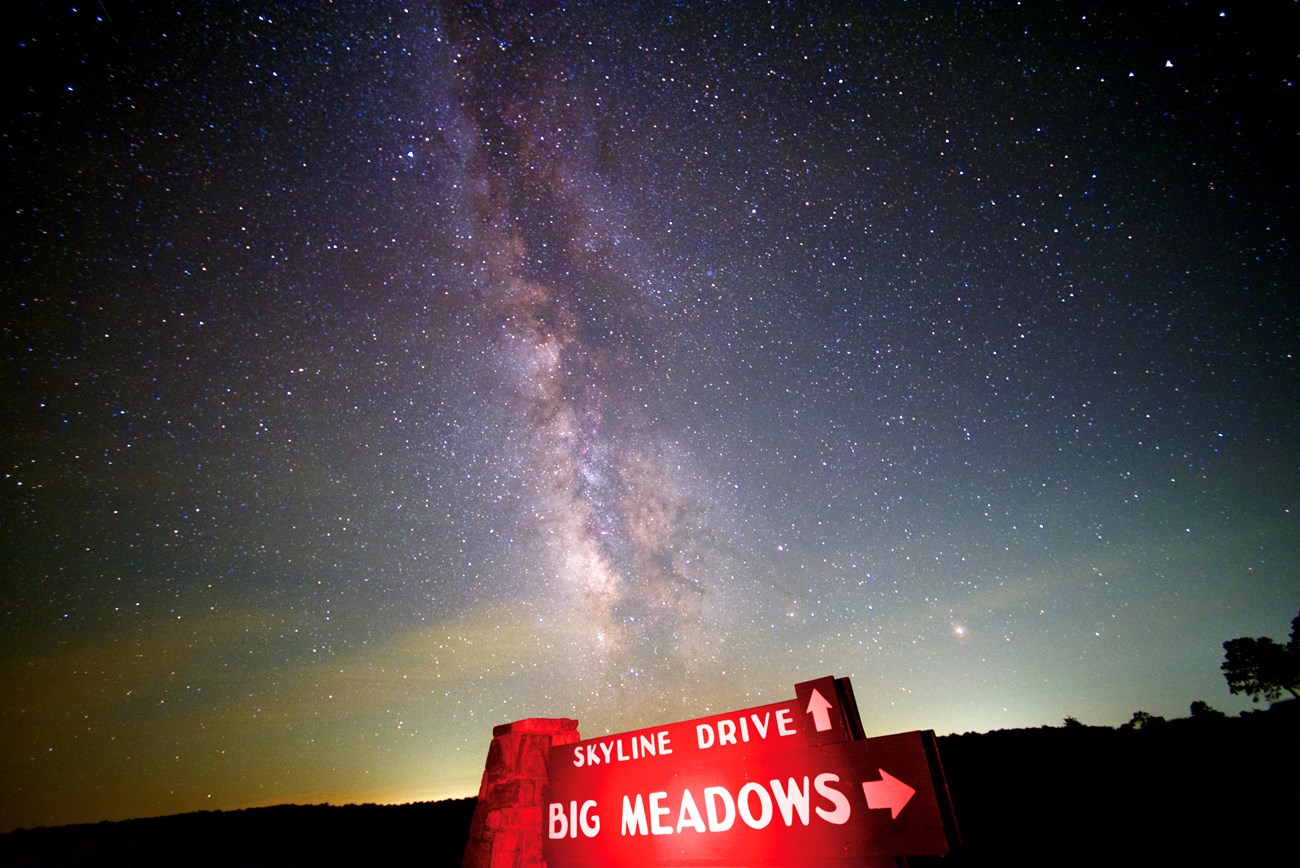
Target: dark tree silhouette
{"x": 1143, "y": 720}
{"x": 1261, "y": 668}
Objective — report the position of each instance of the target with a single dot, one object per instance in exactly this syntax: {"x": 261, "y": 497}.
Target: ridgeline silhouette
{"x": 1203, "y": 788}
{"x": 1206, "y": 788}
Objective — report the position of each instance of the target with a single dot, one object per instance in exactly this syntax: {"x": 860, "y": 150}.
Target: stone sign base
{"x": 506, "y": 831}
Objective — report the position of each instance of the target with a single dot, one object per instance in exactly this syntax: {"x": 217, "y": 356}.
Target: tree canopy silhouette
{"x": 1261, "y": 668}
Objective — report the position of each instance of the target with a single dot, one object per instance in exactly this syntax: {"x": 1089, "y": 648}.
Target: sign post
{"x": 791, "y": 783}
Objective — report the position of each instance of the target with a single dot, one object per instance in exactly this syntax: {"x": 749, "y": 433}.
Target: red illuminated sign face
{"x": 780, "y": 784}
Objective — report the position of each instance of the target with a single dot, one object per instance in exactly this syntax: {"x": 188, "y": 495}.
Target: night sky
{"x": 375, "y": 374}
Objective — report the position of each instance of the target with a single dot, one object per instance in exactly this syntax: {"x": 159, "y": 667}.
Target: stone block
{"x": 507, "y": 828}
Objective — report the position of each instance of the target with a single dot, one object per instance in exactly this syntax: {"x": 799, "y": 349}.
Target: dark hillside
{"x": 1201, "y": 790}
{"x": 286, "y": 835}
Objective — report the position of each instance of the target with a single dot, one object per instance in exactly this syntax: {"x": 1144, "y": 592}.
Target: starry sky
{"x": 377, "y": 373}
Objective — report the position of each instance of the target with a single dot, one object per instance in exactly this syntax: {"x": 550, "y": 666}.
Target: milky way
{"x": 379, "y": 374}
{"x": 572, "y": 344}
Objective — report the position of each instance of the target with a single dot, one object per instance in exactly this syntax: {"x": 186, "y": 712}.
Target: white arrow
{"x": 888, "y": 792}
{"x": 820, "y": 709}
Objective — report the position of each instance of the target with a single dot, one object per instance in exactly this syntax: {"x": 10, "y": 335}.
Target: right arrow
{"x": 888, "y": 792}
{"x": 820, "y": 709}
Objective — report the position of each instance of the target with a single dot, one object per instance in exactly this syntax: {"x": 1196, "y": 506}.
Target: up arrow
{"x": 820, "y": 709}
{"x": 888, "y": 792}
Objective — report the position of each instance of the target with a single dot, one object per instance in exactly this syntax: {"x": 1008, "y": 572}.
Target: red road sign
{"x": 780, "y": 784}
